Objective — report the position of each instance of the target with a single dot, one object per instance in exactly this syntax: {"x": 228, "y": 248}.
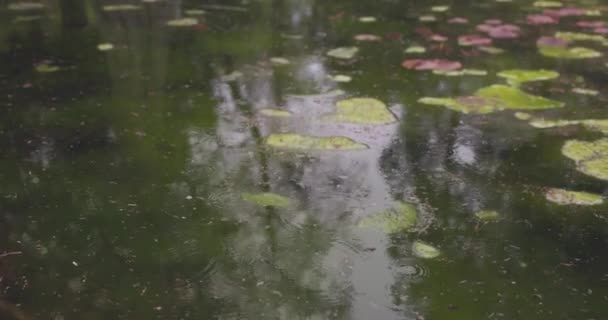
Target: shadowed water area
{"x": 302, "y": 159}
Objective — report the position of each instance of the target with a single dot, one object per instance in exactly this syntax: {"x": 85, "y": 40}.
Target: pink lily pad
{"x": 500, "y": 31}
{"x": 431, "y": 64}
{"x": 590, "y": 24}
{"x": 565, "y": 12}
{"x": 474, "y": 40}
{"x": 540, "y": 19}
{"x": 602, "y": 30}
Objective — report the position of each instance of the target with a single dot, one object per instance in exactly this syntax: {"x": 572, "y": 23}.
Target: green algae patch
{"x": 344, "y": 53}
{"x": 401, "y": 217}
{"x": 487, "y": 215}
{"x": 294, "y": 141}
{"x": 361, "y": 111}
{"x": 494, "y": 98}
{"x": 567, "y": 197}
{"x": 591, "y": 157}
{"x": 424, "y": 250}
{"x": 183, "y": 22}
{"x": 276, "y": 113}
{"x": 120, "y": 7}
{"x": 266, "y": 199}
{"x": 568, "y": 53}
{"x": 518, "y": 76}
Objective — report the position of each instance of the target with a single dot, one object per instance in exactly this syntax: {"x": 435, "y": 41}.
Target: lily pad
{"x": 46, "y": 68}
{"x": 266, "y": 199}
{"x": 367, "y": 37}
{"x": 120, "y": 7}
{"x": 474, "y": 40}
{"x": 587, "y": 92}
{"x": 440, "y": 8}
{"x": 579, "y": 36}
{"x": 415, "y": 49}
{"x": 548, "y": 4}
{"x": 278, "y": 113}
{"x": 294, "y": 141}
{"x": 518, "y": 76}
{"x": 487, "y": 215}
{"x": 462, "y": 72}
{"x": 25, "y": 6}
{"x": 105, "y": 46}
{"x": 367, "y": 19}
{"x": 427, "y": 18}
{"x": 591, "y": 157}
{"x": 566, "y": 197}
{"x": 402, "y": 217}
{"x": 361, "y": 111}
{"x": 431, "y": 64}
{"x": 183, "y": 22}
{"x": 491, "y": 50}
{"x": 494, "y": 98}
{"x": 194, "y": 12}
{"x": 424, "y": 250}
{"x": 341, "y": 78}
{"x": 562, "y": 52}
{"x": 279, "y": 61}
{"x": 343, "y": 52}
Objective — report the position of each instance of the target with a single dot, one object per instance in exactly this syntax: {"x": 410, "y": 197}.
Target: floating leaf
{"x": 279, "y": 61}
{"x": 496, "y": 29}
{"x": 194, "y": 12}
{"x": 266, "y": 199}
{"x": 491, "y": 50}
{"x": 402, "y": 217}
{"x": 105, "y": 46}
{"x": 294, "y": 141}
{"x": 487, "y": 215}
{"x": 578, "y": 36}
{"x": 361, "y": 111}
{"x": 341, "y": 78}
{"x": 440, "y": 8}
{"x": 518, "y": 76}
{"x": 474, "y": 40}
{"x": 27, "y": 18}
{"x": 458, "y": 20}
{"x": 523, "y": 116}
{"x": 183, "y": 22}
{"x": 431, "y": 64}
{"x": 541, "y": 19}
{"x": 427, "y": 18}
{"x": 591, "y": 157}
{"x": 25, "y": 6}
{"x": 462, "y": 72}
{"x": 275, "y": 113}
{"x": 367, "y": 37}
{"x": 120, "y": 7}
{"x": 424, "y": 250}
{"x": 343, "y": 52}
{"x": 568, "y": 53}
{"x": 367, "y": 19}
{"x": 415, "y": 49}
{"x": 548, "y": 4}
{"x": 566, "y": 197}
{"x": 588, "y": 92}
{"x": 46, "y": 68}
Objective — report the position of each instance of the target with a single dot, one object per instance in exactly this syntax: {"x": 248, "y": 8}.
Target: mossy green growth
{"x": 343, "y": 52}
{"x": 401, "y": 217}
{"x": 361, "y": 111}
{"x": 591, "y": 157}
{"x": 423, "y": 250}
{"x": 183, "y": 22}
{"x": 579, "y": 36}
{"x": 494, "y": 98}
{"x": 278, "y": 113}
{"x": 487, "y": 215}
{"x": 518, "y": 76}
{"x": 566, "y": 197}
{"x": 294, "y": 141}
{"x": 568, "y": 53}
{"x": 266, "y": 199}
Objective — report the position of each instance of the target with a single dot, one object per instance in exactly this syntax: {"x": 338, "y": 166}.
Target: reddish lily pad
{"x": 499, "y": 30}
{"x": 431, "y": 64}
{"x": 474, "y": 40}
{"x": 541, "y": 19}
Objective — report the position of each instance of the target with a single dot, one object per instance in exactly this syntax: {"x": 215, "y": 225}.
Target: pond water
{"x": 302, "y": 159}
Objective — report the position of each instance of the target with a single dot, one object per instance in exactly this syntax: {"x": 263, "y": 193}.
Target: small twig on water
{"x": 12, "y": 253}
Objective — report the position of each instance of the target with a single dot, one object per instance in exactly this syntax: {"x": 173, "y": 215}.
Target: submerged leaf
{"x": 566, "y": 197}
{"x": 294, "y": 141}
{"x": 266, "y": 199}
{"x": 424, "y": 250}
{"x": 361, "y": 111}
{"x": 402, "y": 217}
{"x": 343, "y": 52}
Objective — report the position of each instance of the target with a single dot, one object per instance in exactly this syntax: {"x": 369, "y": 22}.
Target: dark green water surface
{"x": 122, "y": 173}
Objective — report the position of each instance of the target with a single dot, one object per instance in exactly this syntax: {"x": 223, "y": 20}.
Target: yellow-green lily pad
{"x": 425, "y": 251}
{"x": 361, "y": 111}
{"x": 579, "y": 36}
{"x": 415, "y": 49}
{"x": 548, "y": 4}
{"x": 440, "y": 8}
{"x": 518, "y": 76}
{"x": 266, "y": 199}
{"x": 46, "y": 68}
{"x": 120, "y": 7}
{"x": 105, "y": 46}
{"x": 294, "y": 141}
{"x": 487, "y": 215}
{"x": 341, "y": 78}
{"x": 183, "y": 22}
{"x": 566, "y": 197}
{"x": 401, "y": 217}
{"x": 367, "y": 19}
{"x": 569, "y": 53}
{"x": 278, "y": 113}
{"x": 343, "y": 52}
{"x": 591, "y": 157}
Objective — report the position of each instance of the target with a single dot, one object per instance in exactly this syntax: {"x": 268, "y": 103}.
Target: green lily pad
{"x": 424, "y": 250}
{"x": 25, "y": 6}
{"x": 294, "y": 141}
{"x": 491, "y": 50}
{"x": 523, "y": 116}
{"x": 415, "y": 49}
{"x": 600, "y": 125}
{"x": 279, "y": 61}
{"x": 341, "y": 78}
{"x": 120, "y": 7}
{"x": 518, "y": 76}
{"x": 591, "y": 157}
{"x": 440, "y": 8}
{"x": 266, "y": 199}
{"x": 183, "y": 22}
{"x": 46, "y": 68}
{"x": 569, "y": 53}
{"x": 402, "y": 217}
{"x": 367, "y": 19}
{"x": 427, "y": 18}
{"x": 587, "y": 92}
{"x": 548, "y": 4}
{"x": 23, "y": 19}
{"x": 461, "y": 72}
{"x": 343, "y": 52}
{"x": 361, "y": 111}
{"x": 195, "y": 12}
{"x": 494, "y": 98}
{"x": 566, "y": 197}
{"x": 278, "y": 113}
{"x": 579, "y": 36}
{"x": 105, "y": 46}
{"x": 487, "y": 215}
